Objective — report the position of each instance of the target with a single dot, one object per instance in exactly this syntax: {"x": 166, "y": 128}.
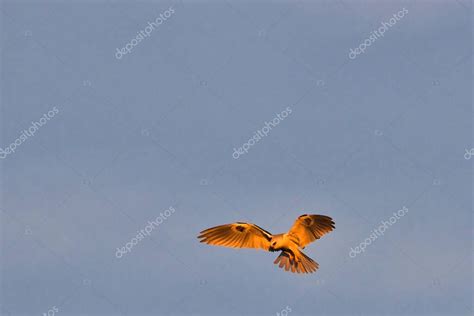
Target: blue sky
{"x": 157, "y": 128}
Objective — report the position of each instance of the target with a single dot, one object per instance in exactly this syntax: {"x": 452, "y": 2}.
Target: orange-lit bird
{"x": 306, "y": 229}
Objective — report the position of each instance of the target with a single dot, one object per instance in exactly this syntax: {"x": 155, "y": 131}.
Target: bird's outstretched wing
{"x": 308, "y": 228}
{"x": 237, "y": 235}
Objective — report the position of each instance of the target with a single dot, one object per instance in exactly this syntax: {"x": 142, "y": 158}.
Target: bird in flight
{"x": 306, "y": 229}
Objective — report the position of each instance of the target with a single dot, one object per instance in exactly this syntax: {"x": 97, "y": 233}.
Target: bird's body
{"x": 306, "y": 229}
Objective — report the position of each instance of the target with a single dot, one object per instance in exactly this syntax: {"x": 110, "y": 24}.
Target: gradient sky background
{"x": 157, "y": 128}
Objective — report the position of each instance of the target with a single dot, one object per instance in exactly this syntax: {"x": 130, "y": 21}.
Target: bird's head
{"x": 275, "y": 244}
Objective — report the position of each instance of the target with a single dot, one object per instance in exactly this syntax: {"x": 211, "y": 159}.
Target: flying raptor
{"x": 306, "y": 229}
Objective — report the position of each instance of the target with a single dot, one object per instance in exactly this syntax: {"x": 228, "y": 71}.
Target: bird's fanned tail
{"x": 296, "y": 262}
